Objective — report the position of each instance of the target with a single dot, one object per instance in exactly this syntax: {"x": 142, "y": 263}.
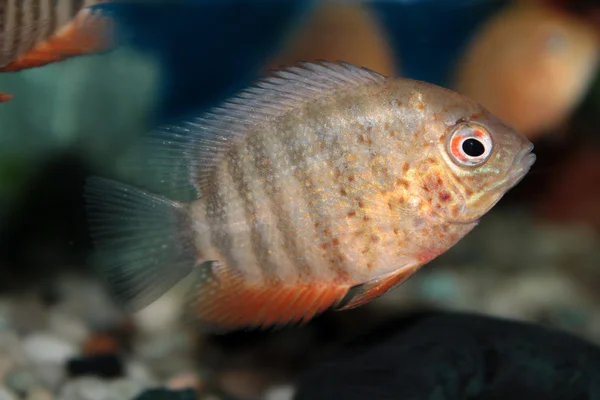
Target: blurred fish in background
{"x": 531, "y": 64}
{"x": 36, "y": 33}
{"x": 341, "y": 30}
{"x": 165, "y": 62}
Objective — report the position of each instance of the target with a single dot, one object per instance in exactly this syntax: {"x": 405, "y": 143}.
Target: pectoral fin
{"x": 368, "y": 291}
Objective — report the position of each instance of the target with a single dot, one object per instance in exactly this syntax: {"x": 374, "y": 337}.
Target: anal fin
{"x": 89, "y": 32}
{"x": 368, "y": 291}
{"x": 224, "y": 301}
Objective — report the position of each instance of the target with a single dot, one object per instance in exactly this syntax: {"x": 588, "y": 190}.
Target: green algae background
{"x": 93, "y": 105}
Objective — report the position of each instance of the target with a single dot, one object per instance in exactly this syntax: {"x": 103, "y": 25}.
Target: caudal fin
{"x": 144, "y": 242}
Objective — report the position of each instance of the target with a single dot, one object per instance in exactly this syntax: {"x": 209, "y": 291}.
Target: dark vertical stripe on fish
{"x": 28, "y": 27}
{"x": 34, "y": 16}
{"x": 22, "y": 26}
{"x": 9, "y": 31}
{"x": 275, "y": 191}
{"x": 334, "y": 148}
{"x": 45, "y": 12}
{"x": 334, "y": 255}
{"x": 260, "y": 244}
{"x": 52, "y": 20}
{"x": 216, "y": 218}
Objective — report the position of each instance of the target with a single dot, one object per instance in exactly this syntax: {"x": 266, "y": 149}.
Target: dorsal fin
{"x": 177, "y": 160}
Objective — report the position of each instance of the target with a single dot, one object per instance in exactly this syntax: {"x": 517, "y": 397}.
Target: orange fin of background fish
{"x": 366, "y": 292}
{"x": 89, "y": 32}
{"x": 4, "y": 97}
{"x": 225, "y": 301}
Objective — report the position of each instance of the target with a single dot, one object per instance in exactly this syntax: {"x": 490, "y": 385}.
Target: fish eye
{"x": 470, "y": 144}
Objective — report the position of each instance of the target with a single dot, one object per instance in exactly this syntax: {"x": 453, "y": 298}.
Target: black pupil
{"x": 473, "y": 147}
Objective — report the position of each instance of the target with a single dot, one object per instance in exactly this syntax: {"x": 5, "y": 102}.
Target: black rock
{"x": 167, "y": 394}
{"x": 102, "y": 365}
{"x": 452, "y": 356}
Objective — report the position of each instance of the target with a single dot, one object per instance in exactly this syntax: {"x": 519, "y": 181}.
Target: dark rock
{"x": 167, "y": 394}
{"x": 101, "y": 365}
{"x": 452, "y": 356}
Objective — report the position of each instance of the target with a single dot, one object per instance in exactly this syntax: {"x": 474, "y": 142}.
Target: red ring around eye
{"x": 463, "y": 132}
{"x": 456, "y": 148}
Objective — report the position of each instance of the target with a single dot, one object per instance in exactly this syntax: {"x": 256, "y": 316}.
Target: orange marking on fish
{"x": 402, "y": 182}
{"x": 4, "y": 97}
{"x": 444, "y": 196}
{"x": 455, "y": 148}
{"x": 228, "y": 302}
{"x": 479, "y": 134}
{"x": 427, "y": 255}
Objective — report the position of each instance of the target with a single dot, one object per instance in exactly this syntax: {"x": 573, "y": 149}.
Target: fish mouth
{"x": 520, "y": 166}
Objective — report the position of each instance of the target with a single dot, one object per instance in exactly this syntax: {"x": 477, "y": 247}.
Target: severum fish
{"x": 34, "y": 33}
{"x": 322, "y": 187}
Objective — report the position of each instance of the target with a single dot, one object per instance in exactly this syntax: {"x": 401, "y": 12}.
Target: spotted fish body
{"x": 34, "y": 33}
{"x": 323, "y": 187}
{"x": 341, "y": 198}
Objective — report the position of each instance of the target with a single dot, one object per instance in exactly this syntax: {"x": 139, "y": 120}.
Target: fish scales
{"x": 266, "y": 239}
{"x": 314, "y": 178}
{"x": 362, "y": 148}
{"x": 285, "y": 200}
{"x": 324, "y": 187}
{"x": 331, "y": 149}
{"x": 308, "y": 147}
{"x": 220, "y": 218}
{"x": 330, "y": 189}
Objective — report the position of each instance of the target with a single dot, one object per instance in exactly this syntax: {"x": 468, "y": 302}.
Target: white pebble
{"x": 47, "y": 348}
{"x": 91, "y": 388}
{"x": 39, "y": 394}
{"x": 68, "y": 327}
{"x": 161, "y": 315}
{"x": 88, "y": 301}
{"x": 280, "y": 393}
{"x": 20, "y": 380}
{"x": 167, "y": 353}
{"x": 48, "y": 355}
{"x": 11, "y": 353}
{"x": 139, "y": 372}
{"x": 28, "y": 314}
{"x": 6, "y": 395}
